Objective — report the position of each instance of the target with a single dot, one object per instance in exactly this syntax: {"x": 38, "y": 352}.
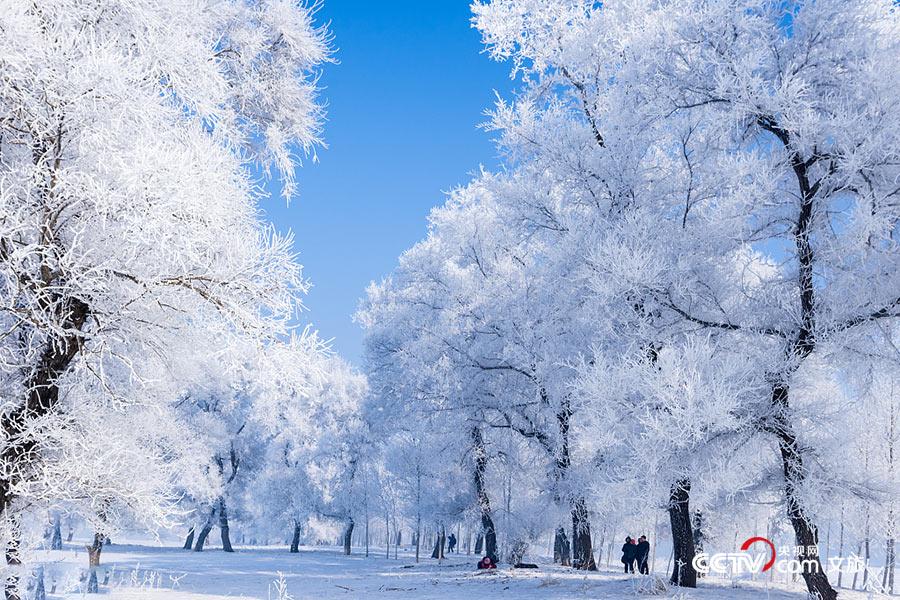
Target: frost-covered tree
{"x": 315, "y": 443}
{"x": 127, "y": 213}
{"x": 235, "y": 413}
{"x": 480, "y": 326}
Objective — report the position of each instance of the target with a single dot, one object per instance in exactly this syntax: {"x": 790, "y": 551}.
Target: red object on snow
{"x": 486, "y": 563}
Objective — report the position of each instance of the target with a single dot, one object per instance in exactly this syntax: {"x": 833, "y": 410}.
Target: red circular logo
{"x": 753, "y": 540}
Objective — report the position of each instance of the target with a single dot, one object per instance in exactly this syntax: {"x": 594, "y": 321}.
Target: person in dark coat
{"x": 643, "y": 554}
{"x": 629, "y": 554}
{"x": 451, "y": 542}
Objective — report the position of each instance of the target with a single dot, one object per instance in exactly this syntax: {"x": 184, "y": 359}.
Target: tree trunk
{"x": 387, "y": 536}
{"x": 189, "y": 541}
{"x": 41, "y": 399}
{"x": 683, "y": 573}
{"x": 890, "y": 561}
{"x": 698, "y": 531}
{"x": 348, "y": 535}
{"x": 805, "y": 532}
{"x": 867, "y": 555}
{"x": 599, "y": 546}
{"x": 56, "y": 538}
{"x": 94, "y": 551}
{"x": 295, "y": 540}
{"x": 439, "y": 542}
{"x": 841, "y": 550}
{"x": 698, "y": 535}
{"x": 561, "y": 551}
{"x": 223, "y": 526}
{"x": 800, "y": 348}
{"x": 582, "y": 547}
{"x": 489, "y": 533}
{"x": 40, "y": 592}
{"x": 611, "y": 547}
{"x": 204, "y": 533}
{"x": 479, "y": 543}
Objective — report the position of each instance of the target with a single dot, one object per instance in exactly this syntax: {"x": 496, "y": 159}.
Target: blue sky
{"x": 403, "y": 107}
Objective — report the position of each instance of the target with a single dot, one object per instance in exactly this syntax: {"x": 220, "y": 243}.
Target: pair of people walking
{"x": 636, "y": 552}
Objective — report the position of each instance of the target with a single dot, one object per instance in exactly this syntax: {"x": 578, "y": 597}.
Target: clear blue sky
{"x": 403, "y": 107}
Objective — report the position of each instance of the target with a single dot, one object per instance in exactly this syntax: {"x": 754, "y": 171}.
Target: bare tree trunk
{"x": 698, "y": 531}
{"x": 204, "y": 532}
{"x": 601, "y": 545}
{"x": 890, "y": 562}
{"x": 439, "y": 542}
{"x": 801, "y": 346}
{"x": 805, "y": 532}
{"x": 868, "y": 554}
{"x": 561, "y": 551}
{"x": 223, "y": 526}
{"x": 841, "y": 550}
{"x": 348, "y": 535}
{"x": 698, "y": 535}
{"x": 189, "y": 540}
{"x": 295, "y": 540}
{"x": 609, "y": 550}
{"x": 56, "y": 538}
{"x": 683, "y": 573}
{"x": 582, "y": 548}
{"x": 418, "y": 535}
{"x": 40, "y": 592}
{"x": 479, "y": 453}
{"x": 94, "y": 551}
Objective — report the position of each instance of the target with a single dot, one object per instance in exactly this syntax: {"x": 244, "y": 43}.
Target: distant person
{"x": 451, "y": 542}
{"x": 487, "y": 563}
{"x": 629, "y": 554}
{"x": 643, "y": 554}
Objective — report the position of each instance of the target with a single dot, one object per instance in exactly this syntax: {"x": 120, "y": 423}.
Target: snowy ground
{"x": 166, "y": 573}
